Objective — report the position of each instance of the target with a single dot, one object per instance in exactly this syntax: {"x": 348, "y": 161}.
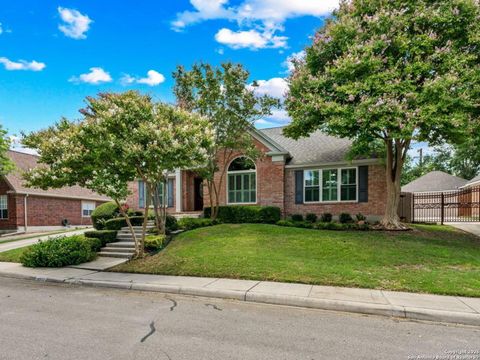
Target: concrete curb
{"x": 389, "y": 310}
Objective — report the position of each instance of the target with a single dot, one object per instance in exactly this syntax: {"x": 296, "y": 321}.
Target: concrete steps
{"x": 124, "y": 247}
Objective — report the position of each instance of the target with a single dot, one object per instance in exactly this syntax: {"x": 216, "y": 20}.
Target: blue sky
{"x": 54, "y": 54}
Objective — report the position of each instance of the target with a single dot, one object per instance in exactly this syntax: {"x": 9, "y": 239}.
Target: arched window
{"x": 242, "y": 181}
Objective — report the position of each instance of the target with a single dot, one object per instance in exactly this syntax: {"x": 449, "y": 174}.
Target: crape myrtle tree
{"x": 224, "y": 97}
{"x": 390, "y": 72}
{"x": 6, "y": 164}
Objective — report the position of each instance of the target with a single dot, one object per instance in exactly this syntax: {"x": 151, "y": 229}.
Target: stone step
{"x": 136, "y": 228}
{"x": 122, "y": 244}
{"x": 127, "y": 250}
{"x": 116, "y": 254}
{"x": 179, "y": 216}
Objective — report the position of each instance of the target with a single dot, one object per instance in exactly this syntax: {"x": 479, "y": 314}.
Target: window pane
{"x": 241, "y": 188}
{"x": 312, "y": 177}
{"x": 312, "y": 194}
{"x": 231, "y": 197}
{"x": 4, "y": 214}
{"x": 330, "y": 185}
{"x": 348, "y": 176}
{"x": 241, "y": 164}
{"x": 349, "y": 192}
{"x": 349, "y": 185}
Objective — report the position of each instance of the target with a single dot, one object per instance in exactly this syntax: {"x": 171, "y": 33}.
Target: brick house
{"x": 309, "y": 175}
{"x": 35, "y": 209}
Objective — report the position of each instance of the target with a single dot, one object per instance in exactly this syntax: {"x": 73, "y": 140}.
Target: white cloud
{"x": 279, "y": 117}
{"x": 153, "y": 78}
{"x": 96, "y": 76}
{"x": 275, "y": 87}
{"x": 288, "y": 63}
{"x": 22, "y": 65}
{"x": 75, "y": 23}
{"x": 252, "y": 39}
{"x": 265, "y": 16}
{"x": 1, "y": 29}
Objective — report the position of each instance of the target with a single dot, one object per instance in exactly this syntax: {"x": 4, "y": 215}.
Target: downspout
{"x": 25, "y": 212}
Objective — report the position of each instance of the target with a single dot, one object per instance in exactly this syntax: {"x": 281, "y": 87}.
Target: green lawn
{"x": 12, "y": 255}
{"x": 431, "y": 259}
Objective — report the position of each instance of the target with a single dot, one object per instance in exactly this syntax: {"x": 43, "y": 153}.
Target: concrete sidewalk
{"x": 22, "y": 243}
{"x": 451, "y": 309}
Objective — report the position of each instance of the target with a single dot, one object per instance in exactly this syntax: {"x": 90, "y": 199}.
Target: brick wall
{"x": 375, "y": 206}
{"x": 11, "y": 222}
{"x": 270, "y": 180}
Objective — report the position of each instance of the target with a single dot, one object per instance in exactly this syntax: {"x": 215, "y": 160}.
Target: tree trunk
{"x": 129, "y": 224}
{"x": 396, "y": 153}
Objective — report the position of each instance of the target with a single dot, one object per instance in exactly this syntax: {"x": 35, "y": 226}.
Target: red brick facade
{"x": 42, "y": 211}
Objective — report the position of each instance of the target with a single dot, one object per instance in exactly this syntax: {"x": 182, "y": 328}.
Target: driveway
{"x": 54, "y": 321}
{"x": 473, "y": 228}
{"x": 22, "y": 243}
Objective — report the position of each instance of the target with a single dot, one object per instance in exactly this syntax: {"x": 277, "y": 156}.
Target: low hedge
{"x": 105, "y": 236}
{"x": 118, "y": 223}
{"x": 237, "y": 214}
{"x": 324, "y": 225}
{"x": 155, "y": 242}
{"x": 103, "y": 213}
{"x": 194, "y": 223}
{"x": 64, "y": 251}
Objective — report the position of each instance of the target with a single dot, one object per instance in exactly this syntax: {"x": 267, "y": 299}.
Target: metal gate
{"x": 449, "y": 206}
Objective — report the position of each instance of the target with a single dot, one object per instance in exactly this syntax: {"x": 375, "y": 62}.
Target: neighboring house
{"x": 309, "y": 175}
{"x": 435, "y": 181}
{"x": 22, "y": 207}
{"x": 472, "y": 189}
{"x": 473, "y": 183}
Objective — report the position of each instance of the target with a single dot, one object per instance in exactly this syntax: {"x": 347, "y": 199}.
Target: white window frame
{"x": 239, "y": 172}
{"x": 165, "y": 196}
{"x": 4, "y": 208}
{"x": 91, "y": 210}
{"x": 339, "y": 185}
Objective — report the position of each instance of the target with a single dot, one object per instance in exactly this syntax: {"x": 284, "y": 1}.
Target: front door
{"x": 198, "y": 194}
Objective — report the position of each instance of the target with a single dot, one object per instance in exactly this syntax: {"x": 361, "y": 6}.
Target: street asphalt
{"x": 62, "y": 321}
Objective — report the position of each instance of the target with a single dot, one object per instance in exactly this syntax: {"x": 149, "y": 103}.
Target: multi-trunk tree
{"x": 122, "y": 137}
{"x": 391, "y": 72}
{"x": 225, "y": 98}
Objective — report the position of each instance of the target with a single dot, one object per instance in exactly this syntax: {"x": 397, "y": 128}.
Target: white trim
{"x": 178, "y": 190}
{"x": 339, "y": 186}
{"x": 88, "y": 202}
{"x": 242, "y": 172}
{"x": 334, "y": 164}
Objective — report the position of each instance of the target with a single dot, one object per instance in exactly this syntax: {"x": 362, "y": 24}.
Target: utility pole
{"x": 420, "y": 151}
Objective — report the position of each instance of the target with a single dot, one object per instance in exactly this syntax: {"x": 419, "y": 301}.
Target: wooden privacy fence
{"x": 450, "y": 206}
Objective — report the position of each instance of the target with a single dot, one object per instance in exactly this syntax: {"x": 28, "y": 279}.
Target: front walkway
{"x": 450, "y": 309}
{"x": 22, "y": 243}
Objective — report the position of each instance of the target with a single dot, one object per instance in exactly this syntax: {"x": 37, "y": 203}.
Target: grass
{"x": 13, "y": 255}
{"x": 430, "y": 259}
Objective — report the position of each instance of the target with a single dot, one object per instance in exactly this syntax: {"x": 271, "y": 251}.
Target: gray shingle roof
{"x": 435, "y": 181}
{"x": 24, "y": 162}
{"x": 475, "y": 180}
{"x": 318, "y": 148}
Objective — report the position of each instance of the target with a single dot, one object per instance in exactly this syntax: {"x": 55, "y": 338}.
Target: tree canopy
{"x": 6, "y": 164}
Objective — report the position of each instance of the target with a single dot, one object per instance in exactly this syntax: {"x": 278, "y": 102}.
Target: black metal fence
{"x": 450, "y": 206}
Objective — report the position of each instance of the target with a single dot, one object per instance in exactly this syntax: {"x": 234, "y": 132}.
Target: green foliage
{"x": 194, "y": 223}
{"x": 345, "y": 218}
{"x": 104, "y": 212}
{"x": 155, "y": 242}
{"x": 360, "y": 217}
{"x": 105, "y": 236}
{"x": 94, "y": 243}
{"x": 246, "y": 214}
{"x": 311, "y": 217}
{"x": 6, "y": 164}
{"x": 392, "y": 72}
{"x": 297, "y": 217}
{"x": 118, "y": 223}
{"x": 72, "y": 250}
{"x": 171, "y": 223}
{"x": 326, "y": 217}
{"x": 226, "y": 98}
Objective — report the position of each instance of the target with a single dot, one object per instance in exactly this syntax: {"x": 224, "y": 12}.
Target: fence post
{"x": 442, "y": 204}
{"x": 413, "y": 207}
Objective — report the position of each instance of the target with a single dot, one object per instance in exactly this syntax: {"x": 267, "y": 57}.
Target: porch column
{"x": 178, "y": 190}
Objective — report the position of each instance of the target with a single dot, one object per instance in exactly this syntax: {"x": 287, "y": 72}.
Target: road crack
{"x": 174, "y": 304}
{"x": 213, "y": 306}
{"x": 152, "y": 330}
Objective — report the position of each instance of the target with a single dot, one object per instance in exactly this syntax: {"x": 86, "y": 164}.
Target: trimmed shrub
{"x": 155, "y": 242}
{"x": 298, "y": 224}
{"x": 326, "y": 217}
{"x": 102, "y": 213}
{"x": 297, "y": 217}
{"x": 118, "y": 223}
{"x": 311, "y": 217}
{"x": 285, "y": 223}
{"x": 171, "y": 223}
{"x": 360, "y": 217}
{"x": 194, "y": 223}
{"x": 72, "y": 250}
{"x": 345, "y": 218}
{"x": 105, "y": 236}
{"x": 94, "y": 243}
{"x": 237, "y": 214}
